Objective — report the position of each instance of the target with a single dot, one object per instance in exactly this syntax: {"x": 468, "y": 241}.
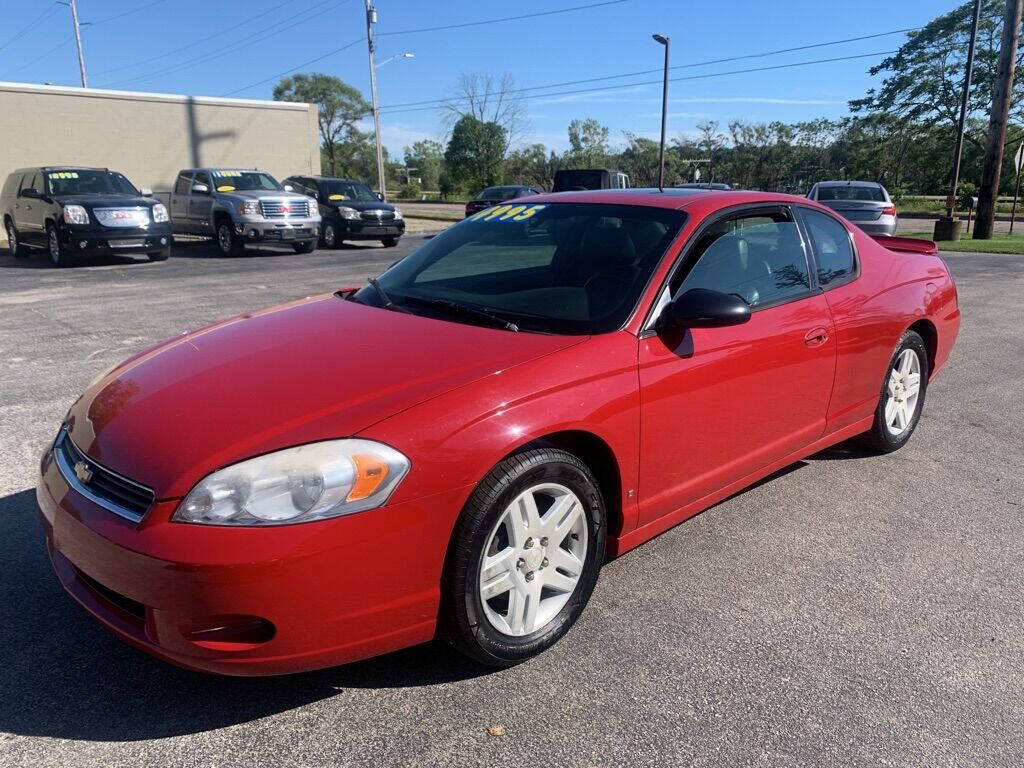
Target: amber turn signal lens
{"x": 371, "y": 472}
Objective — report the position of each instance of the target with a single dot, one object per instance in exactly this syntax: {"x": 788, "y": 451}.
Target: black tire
{"x": 306, "y": 246}
{"x": 463, "y": 621}
{"x": 14, "y": 246}
{"x": 329, "y": 235}
{"x": 880, "y": 436}
{"x": 389, "y": 242}
{"x": 56, "y": 251}
{"x": 229, "y": 243}
{"x": 162, "y": 255}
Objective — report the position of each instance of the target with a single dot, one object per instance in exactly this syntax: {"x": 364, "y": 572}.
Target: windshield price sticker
{"x": 225, "y": 188}
{"x": 337, "y": 197}
{"x": 64, "y": 175}
{"x": 227, "y": 173}
{"x": 507, "y": 213}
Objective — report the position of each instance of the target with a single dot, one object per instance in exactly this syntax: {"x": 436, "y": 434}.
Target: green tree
{"x": 532, "y": 165}
{"x": 640, "y": 160}
{"x": 340, "y": 107}
{"x": 474, "y": 154}
{"x": 588, "y": 144}
{"x": 427, "y": 157}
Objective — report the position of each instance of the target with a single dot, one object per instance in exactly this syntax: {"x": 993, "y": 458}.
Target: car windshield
{"x": 244, "y": 181}
{"x": 852, "y": 192}
{"x": 336, "y": 190}
{"x": 565, "y": 268}
{"x": 84, "y": 182}
{"x": 498, "y": 193}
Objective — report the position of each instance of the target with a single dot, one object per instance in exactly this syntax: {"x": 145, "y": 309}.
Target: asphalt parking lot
{"x": 852, "y": 610}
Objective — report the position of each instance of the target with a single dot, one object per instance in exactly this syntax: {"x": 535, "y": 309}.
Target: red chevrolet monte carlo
{"x": 454, "y": 448}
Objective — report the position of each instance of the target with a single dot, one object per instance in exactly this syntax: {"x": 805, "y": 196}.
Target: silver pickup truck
{"x": 235, "y": 206}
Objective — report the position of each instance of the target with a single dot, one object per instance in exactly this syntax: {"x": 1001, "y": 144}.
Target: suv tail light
{"x": 890, "y": 211}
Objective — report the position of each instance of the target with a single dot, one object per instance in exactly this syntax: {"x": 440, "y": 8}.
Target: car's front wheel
{"x": 162, "y": 255}
{"x": 229, "y": 243}
{"x": 902, "y": 397}
{"x": 389, "y": 242}
{"x": 524, "y": 557}
{"x": 329, "y": 236}
{"x": 307, "y": 246}
{"x": 58, "y": 256}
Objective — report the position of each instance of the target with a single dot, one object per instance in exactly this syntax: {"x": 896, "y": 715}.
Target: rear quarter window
{"x": 832, "y": 247}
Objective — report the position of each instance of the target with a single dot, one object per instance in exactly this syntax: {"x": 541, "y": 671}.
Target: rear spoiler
{"x": 907, "y": 244}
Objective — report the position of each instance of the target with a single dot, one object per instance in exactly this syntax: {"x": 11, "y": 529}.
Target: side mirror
{"x": 380, "y": 197}
{"x": 200, "y": 189}
{"x": 701, "y": 308}
{"x": 146, "y": 192}
{"x": 289, "y": 188}
{"x": 30, "y": 192}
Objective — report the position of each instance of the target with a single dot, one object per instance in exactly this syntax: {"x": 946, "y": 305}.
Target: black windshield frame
{"x": 582, "y": 239}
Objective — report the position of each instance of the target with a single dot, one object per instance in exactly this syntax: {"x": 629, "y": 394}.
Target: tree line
{"x": 900, "y": 134}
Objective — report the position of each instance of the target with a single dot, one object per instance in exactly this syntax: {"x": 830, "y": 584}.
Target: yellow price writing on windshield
{"x": 507, "y": 212}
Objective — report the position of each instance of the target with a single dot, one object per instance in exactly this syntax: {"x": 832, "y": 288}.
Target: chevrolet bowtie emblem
{"x": 82, "y": 472}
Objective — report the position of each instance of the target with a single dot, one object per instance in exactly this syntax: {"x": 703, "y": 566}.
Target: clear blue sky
{"x": 232, "y": 44}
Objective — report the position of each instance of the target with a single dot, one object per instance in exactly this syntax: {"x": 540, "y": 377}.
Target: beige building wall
{"x": 149, "y": 137}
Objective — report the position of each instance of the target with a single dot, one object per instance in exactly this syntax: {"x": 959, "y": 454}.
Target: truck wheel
{"x": 58, "y": 256}
{"x": 17, "y": 250}
{"x": 329, "y": 236}
{"x": 390, "y": 242}
{"x": 307, "y": 246}
{"x": 228, "y": 242}
{"x": 160, "y": 255}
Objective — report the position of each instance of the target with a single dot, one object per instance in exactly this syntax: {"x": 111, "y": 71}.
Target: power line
{"x": 117, "y": 16}
{"x": 498, "y": 21}
{"x": 200, "y": 41}
{"x": 294, "y": 69}
{"x": 393, "y": 111}
{"x": 652, "y": 71}
{"x": 44, "y": 54}
{"x": 31, "y": 25}
{"x": 233, "y": 47}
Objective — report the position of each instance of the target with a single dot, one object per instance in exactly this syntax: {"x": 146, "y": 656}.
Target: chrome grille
{"x": 136, "y": 216}
{"x": 100, "y": 485}
{"x": 377, "y": 214}
{"x": 283, "y": 209}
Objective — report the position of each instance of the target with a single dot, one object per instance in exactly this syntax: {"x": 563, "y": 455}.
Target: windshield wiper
{"x": 454, "y": 308}
{"x": 384, "y": 297}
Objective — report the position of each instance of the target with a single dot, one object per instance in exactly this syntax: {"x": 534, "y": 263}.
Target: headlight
{"x": 75, "y": 214}
{"x": 398, "y": 213}
{"x": 348, "y": 213}
{"x": 249, "y": 207}
{"x": 297, "y": 485}
{"x": 160, "y": 213}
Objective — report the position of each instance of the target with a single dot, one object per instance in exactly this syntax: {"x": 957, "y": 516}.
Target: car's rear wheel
{"x": 902, "y": 397}
{"x": 389, "y": 242}
{"x": 307, "y": 246}
{"x": 58, "y": 256}
{"x": 17, "y": 250}
{"x": 229, "y": 243}
{"x": 329, "y": 236}
{"x": 524, "y": 557}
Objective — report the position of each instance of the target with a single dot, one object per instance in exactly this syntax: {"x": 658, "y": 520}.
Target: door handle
{"x": 816, "y": 337}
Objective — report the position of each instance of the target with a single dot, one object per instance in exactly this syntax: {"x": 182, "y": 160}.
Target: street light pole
{"x": 663, "y": 40}
{"x": 371, "y": 19}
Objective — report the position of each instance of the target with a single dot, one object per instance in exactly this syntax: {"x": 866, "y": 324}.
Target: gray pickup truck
{"x": 235, "y": 206}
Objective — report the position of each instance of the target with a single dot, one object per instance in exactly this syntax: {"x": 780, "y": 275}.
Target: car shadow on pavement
{"x": 64, "y": 676}
{"x": 39, "y": 260}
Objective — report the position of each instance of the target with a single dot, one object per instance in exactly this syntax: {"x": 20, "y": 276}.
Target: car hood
{"x": 315, "y": 369}
{"x": 362, "y": 205}
{"x": 263, "y": 194}
{"x": 104, "y": 201}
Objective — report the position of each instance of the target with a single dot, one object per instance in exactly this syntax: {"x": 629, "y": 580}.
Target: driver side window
{"x": 758, "y": 257}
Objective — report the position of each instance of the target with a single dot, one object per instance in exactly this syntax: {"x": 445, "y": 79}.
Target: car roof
{"x": 671, "y": 197}
{"x": 851, "y": 183}
{"x": 326, "y": 178}
{"x": 60, "y": 168}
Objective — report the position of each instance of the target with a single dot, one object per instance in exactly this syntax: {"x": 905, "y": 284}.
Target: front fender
{"x": 454, "y": 440}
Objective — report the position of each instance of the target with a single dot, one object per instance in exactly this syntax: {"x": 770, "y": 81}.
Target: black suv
{"x": 73, "y": 212}
{"x": 350, "y": 211}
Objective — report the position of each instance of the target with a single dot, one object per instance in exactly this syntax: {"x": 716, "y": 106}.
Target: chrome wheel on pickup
{"x": 228, "y": 242}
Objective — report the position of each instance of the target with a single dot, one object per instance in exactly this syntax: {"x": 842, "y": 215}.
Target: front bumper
{"x": 278, "y": 230}
{"x": 103, "y": 241}
{"x": 251, "y": 601}
{"x": 358, "y": 229}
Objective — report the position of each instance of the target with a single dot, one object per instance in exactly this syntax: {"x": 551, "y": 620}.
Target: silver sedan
{"x": 864, "y": 203}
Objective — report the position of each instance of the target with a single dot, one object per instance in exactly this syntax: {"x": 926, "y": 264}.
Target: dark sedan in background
{"x": 864, "y": 203}
{"x": 74, "y": 212}
{"x": 494, "y": 195}
{"x": 350, "y": 211}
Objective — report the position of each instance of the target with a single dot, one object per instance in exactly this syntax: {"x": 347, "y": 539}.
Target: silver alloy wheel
{"x": 12, "y": 240}
{"x": 533, "y": 559}
{"x": 329, "y": 235}
{"x": 904, "y": 389}
{"x": 224, "y": 238}
{"x": 53, "y": 245}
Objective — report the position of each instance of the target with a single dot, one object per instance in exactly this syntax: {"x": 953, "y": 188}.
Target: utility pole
{"x": 371, "y": 19}
{"x": 948, "y": 228}
{"x": 78, "y": 42}
{"x": 1001, "y": 95}
{"x": 663, "y": 40}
